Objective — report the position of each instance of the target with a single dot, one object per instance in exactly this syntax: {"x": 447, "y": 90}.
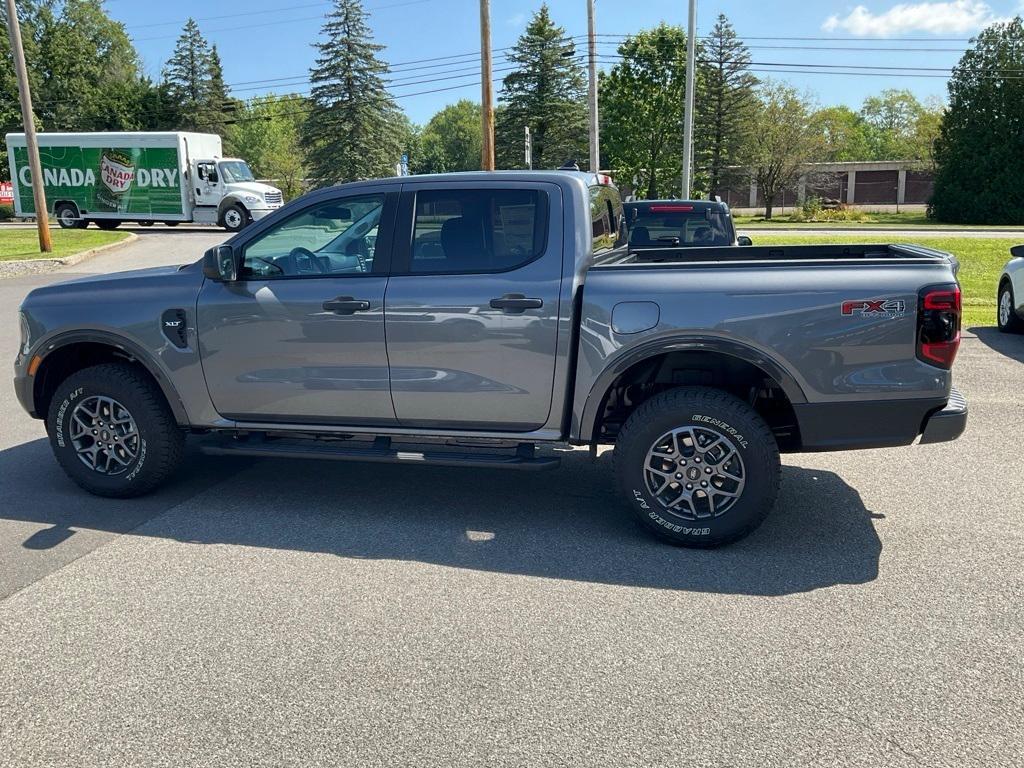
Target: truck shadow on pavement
{"x": 1009, "y": 344}
{"x": 565, "y": 524}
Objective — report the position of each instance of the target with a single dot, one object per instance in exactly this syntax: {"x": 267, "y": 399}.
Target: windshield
{"x": 669, "y": 227}
{"x": 234, "y": 171}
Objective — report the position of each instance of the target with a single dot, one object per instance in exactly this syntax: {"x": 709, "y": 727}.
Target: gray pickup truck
{"x": 470, "y": 319}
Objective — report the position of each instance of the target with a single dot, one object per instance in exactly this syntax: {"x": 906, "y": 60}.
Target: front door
{"x": 300, "y": 336}
{"x": 209, "y": 187}
{"x": 472, "y": 305}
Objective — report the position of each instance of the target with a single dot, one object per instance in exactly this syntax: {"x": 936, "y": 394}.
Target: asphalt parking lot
{"x": 302, "y": 613}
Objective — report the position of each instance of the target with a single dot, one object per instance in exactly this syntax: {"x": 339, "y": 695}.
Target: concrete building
{"x": 878, "y": 185}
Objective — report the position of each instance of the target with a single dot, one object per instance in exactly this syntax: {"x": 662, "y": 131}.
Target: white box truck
{"x": 109, "y": 178}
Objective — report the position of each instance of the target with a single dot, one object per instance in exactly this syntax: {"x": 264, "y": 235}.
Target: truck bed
{"x": 771, "y": 255}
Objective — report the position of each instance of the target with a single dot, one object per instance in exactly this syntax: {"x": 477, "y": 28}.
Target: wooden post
{"x": 486, "y": 90}
{"x": 595, "y": 146}
{"x": 38, "y": 193}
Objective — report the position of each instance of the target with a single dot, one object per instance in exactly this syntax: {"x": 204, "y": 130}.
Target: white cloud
{"x": 950, "y": 17}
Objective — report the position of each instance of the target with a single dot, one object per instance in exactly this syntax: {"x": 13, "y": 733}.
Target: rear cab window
{"x": 672, "y": 225}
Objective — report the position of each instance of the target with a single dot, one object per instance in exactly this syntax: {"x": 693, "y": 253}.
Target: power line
{"x": 279, "y": 21}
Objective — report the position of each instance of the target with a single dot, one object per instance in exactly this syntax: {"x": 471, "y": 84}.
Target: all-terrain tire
{"x": 707, "y": 414}
{"x": 140, "y": 464}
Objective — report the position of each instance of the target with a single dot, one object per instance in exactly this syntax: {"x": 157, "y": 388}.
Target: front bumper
{"x": 948, "y": 423}
{"x": 259, "y": 213}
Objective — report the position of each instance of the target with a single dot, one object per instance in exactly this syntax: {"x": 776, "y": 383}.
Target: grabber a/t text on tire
{"x": 112, "y": 431}
{"x": 698, "y": 466}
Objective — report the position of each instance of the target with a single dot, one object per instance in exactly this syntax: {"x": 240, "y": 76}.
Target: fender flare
{"x": 132, "y": 350}
{"x": 745, "y": 352}
{"x": 226, "y": 203}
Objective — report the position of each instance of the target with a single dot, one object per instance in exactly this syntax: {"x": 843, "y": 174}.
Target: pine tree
{"x": 727, "y": 103}
{"x": 194, "y": 82}
{"x": 546, "y": 92}
{"x": 352, "y": 131}
{"x": 219, "y": 106}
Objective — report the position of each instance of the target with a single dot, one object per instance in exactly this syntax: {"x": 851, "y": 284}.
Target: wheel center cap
{"x": 693, "y": 473}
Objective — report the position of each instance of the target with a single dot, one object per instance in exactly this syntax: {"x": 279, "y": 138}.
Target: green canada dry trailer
{"x": 110, "y": 178}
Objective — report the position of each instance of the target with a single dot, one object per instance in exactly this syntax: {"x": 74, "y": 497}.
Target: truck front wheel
{"x": 235, "y": 218}
{"x": 698, "y": 466}
{"x": 112, "y": 432}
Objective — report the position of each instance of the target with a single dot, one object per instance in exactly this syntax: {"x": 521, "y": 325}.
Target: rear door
{"x": 472, "y": 305}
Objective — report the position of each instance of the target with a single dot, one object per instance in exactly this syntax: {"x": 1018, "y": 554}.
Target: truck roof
{"x": 589, "y": 179}
{"x": 71, "y": 135}
{"x": 694, "y": 205}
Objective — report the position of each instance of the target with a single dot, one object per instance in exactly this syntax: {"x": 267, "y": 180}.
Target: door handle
{"x": 346, "y": 305}
{"x": 516, "y": 303}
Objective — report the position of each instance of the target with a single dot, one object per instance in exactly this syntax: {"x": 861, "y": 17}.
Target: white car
{"x": 1010, "y": 298}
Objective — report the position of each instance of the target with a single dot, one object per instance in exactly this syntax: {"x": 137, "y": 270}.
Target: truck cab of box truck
{"x": 227, "y": 193}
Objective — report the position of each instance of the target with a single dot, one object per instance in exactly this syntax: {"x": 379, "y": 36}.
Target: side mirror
{"x": 1017, "y": 251}
{"x": 744, "y": 240}
{"x": 221, "y": 263}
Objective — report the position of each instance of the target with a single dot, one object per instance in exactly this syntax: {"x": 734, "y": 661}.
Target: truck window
{"x": 235, "y": 171}
{"x": 334, "y": 238}
{"x": 669, "y": 226}
{"x": 477, "y": 230}
{"x": 605, "y": 219}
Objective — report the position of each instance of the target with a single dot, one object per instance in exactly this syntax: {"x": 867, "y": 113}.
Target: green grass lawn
{"x": 981, "y": 264}
{"x": 24, "y": 243}
{"x": 894, "y": 220}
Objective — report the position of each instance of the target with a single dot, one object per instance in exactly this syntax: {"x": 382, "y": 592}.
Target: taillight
{"x": 670, "y": 208}
{"x": 938, "y": 324}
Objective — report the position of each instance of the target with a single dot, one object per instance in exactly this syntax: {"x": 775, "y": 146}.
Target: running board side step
{"x": 380, "y": 450}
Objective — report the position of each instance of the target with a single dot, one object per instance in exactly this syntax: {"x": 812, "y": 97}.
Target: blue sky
{"x": 264, "y": 40}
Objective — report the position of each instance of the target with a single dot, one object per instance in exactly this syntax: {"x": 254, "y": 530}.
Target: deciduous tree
{"x": 642, "y": 111}
{"x": 979, "y": 154}
{"x": 451, "y": 140}
{"x": 782, "y": 140}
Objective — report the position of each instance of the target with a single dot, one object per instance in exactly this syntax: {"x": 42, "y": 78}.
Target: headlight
{"x": 251, "y": 199}
{"x": 26, "y": 342}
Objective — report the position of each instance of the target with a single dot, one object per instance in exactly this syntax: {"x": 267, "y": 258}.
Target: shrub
{"x": 6, "y": 212}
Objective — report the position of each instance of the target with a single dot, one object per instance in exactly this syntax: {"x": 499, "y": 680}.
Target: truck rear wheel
{"x": 698, "y": 466}
{"x": 108, "y": 223}
{"x": 67, "y": 216}
{"x": 235, "y": 218}
{"x": 112, "y": 432}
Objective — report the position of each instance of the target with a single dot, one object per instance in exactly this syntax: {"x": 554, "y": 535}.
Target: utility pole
{"x": 691, "y": 56}
{"x": 38, "y": 193}
{"x": 595, "y": 148}
{"x": 486, "y": 95}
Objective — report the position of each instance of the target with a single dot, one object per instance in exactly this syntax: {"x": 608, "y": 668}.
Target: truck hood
{"x": 251, "y": 188}
{"x": 118, "y": 285}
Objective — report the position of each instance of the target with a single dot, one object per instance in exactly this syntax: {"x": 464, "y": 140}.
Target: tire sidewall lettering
{"x": 716, "y": 422}
{"x": 61, "y": 412}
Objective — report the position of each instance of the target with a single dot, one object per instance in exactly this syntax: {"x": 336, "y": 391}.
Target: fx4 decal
{"x": 875, "y": 307}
